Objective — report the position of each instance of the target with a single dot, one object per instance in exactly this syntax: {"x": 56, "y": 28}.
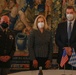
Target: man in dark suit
{"x": 65, "y": 37}
{"x": 7, "y": 45}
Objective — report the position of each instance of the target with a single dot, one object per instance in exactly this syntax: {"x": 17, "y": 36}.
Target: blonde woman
{"x": 40, "y": 44}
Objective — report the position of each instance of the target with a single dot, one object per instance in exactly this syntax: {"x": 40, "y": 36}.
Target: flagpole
{"x": 64, "y": 59}
{"x": 72, "y": 71}
{"x": 64, "y": 71}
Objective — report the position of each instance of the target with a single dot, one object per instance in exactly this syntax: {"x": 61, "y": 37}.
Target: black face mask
{"x": 4, "y": 25}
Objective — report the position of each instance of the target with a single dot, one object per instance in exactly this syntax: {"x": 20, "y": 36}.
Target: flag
{"x": 64, "y": 58}
{"x": 72, "y": 60}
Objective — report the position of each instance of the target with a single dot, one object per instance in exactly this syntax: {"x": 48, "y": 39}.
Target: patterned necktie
{"x": 69, "y": 30}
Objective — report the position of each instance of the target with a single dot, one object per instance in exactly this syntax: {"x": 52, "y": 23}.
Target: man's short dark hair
{"x": 70, "y": 7}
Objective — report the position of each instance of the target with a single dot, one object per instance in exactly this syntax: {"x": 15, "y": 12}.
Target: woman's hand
{"x": 35, "y": 63}
{"x": 48, "y": 64}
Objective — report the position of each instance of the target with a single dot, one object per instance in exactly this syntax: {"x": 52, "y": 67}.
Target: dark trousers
{"x": 41, "y": 62}
{"x": 4, "y": 71}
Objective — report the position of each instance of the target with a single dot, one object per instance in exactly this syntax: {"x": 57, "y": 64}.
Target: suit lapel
{"x": 74, "y": 28}
{"x": 65, "y": 30}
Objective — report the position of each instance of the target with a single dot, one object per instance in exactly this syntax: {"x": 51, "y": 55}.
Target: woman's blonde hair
{"x": 36, "y": 22}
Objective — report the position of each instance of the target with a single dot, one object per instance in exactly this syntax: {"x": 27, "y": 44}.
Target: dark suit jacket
{"x": 61, "y": 37}
{"x": 40, "y": 44}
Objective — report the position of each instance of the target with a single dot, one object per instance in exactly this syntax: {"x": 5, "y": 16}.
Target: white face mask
{"x": 70, "y": 16}
{"x": 40, "y": 24}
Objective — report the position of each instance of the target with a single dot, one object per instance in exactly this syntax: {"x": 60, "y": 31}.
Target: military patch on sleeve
{"x": 11, "y": 37}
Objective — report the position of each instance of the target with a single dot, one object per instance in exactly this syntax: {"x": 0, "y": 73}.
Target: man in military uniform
{"x": 7, "y": 45}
